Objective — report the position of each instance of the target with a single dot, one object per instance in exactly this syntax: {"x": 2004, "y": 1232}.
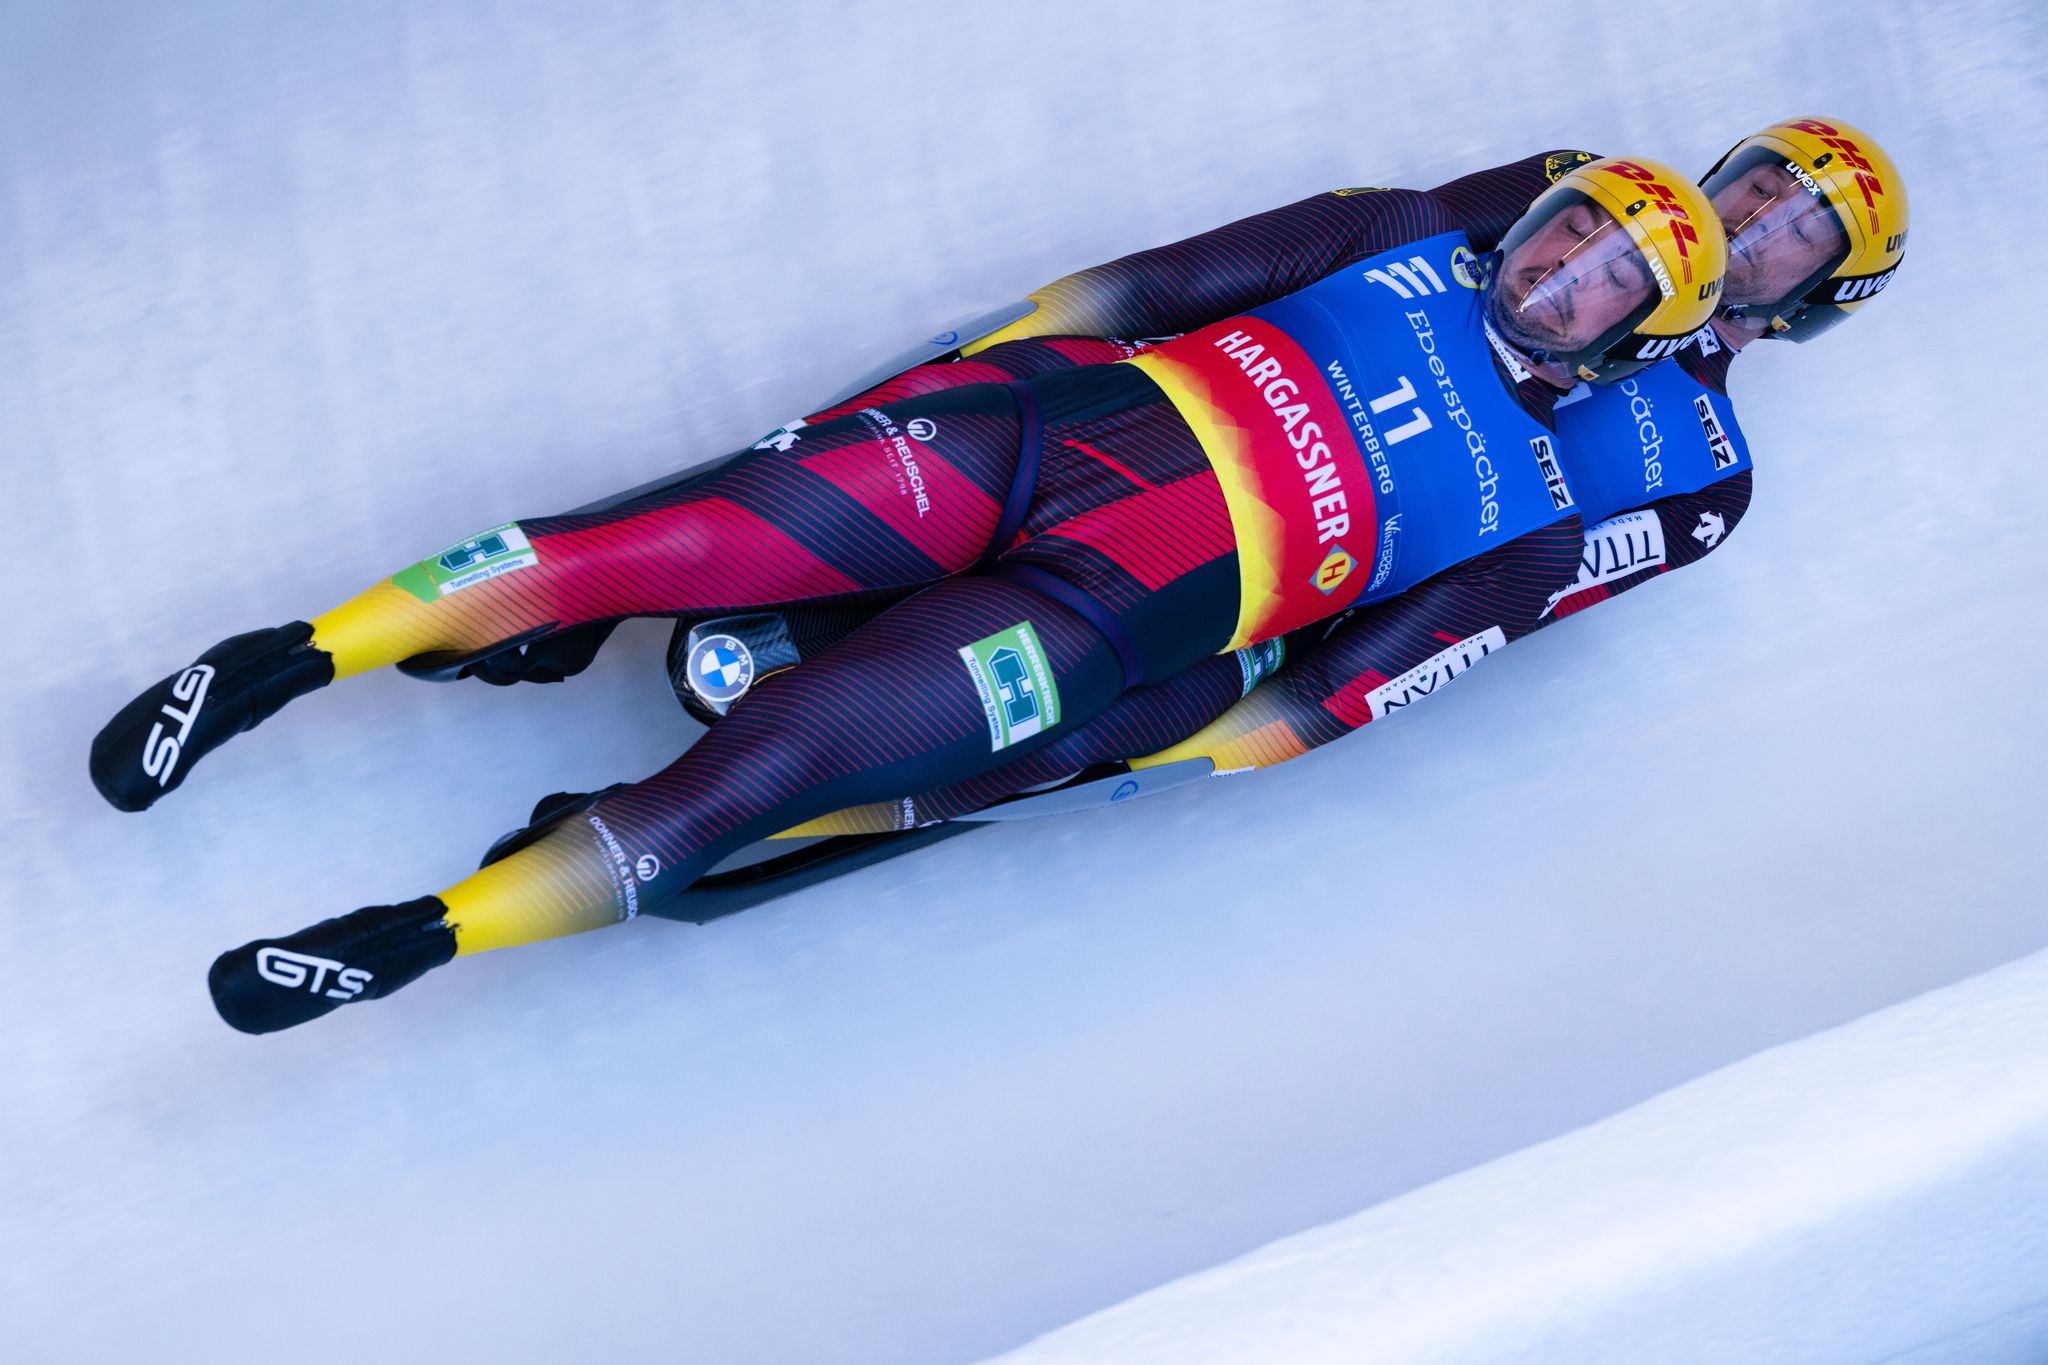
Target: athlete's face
{"x": 1778, "y": 234}
{"x": 1569, "y": 281}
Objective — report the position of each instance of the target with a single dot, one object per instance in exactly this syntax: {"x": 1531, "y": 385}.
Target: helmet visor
{"x": 1568, "y": 285}
{"x": 1784, "y": 236}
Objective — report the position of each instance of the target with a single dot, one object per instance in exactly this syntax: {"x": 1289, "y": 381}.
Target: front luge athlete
{"x": 1348, "y": 429}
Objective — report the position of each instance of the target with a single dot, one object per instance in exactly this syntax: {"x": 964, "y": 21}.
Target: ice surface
{"x": 1797, "y": 1207}
{"x": 292, "y": 295}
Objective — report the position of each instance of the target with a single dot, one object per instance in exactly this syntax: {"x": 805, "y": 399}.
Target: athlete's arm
{"x": 1218, "y": 274}
{"x": 1380, "y": 659}
{"x": 1628, "y": 550}
{"x": 1487, "y": 203}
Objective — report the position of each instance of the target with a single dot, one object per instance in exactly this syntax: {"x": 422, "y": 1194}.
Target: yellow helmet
{"x": 1816, "y": 219}
{"x": 1610, "y": 269}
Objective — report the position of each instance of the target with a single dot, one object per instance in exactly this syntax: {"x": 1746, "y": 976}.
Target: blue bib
{"x": 1655, "y": 434}
{"x": 1458, "y": 465}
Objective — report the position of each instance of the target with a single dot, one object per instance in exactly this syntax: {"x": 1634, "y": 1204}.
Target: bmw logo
{"x": 721, "y": 669}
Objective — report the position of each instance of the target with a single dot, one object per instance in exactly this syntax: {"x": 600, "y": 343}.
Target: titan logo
{"x": 160, "y": 751}
{"x": 1661, "y": 198}
{"x": 1628, "y": 544}
{"x": 282, "y": 967}
{"x": 1335, "y": 568}
{"x": 1439, "y": 668}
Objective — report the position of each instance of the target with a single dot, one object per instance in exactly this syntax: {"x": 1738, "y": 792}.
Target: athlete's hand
{"x": 151, "y": 743}
{"x": 274, "y": 983}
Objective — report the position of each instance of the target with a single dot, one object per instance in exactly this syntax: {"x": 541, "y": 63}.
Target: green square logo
{"x": 1018, "y": 695}
{"x": 483, "y": 556}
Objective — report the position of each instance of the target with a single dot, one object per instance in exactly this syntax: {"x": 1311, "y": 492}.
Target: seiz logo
{"x": 1856, "y": 290}
{"x": 1433, "y": 672}
{"x": 160, "y": 751}
{"x": 282, "y": 967}
{"x": 1553, "y": 477}
{"x": 1416, "y": 277}
{"x": 1866, "y": 179}
{"x": 1717, "y": 439}
{"x": 1660, "y": 197}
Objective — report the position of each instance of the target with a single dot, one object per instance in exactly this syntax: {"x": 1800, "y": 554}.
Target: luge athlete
{"x": 1359, "y": 429}
{"x": 1816, "y": 218}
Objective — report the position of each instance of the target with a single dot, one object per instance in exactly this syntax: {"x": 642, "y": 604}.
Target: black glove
{"x": 151, "y": 743}
{"x": 274, "y": 983}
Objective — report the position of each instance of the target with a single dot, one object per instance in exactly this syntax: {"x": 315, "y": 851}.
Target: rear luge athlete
{"x": 1331, "y": 439}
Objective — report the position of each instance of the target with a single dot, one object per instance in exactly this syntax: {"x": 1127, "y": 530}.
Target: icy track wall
{"x": 1875, "y": 1192}
{"x": 293, "y": 295}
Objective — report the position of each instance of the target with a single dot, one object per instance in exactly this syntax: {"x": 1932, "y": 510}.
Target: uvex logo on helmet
{"x": 1867, "y": 180}
{"x": 1658, "y": 195}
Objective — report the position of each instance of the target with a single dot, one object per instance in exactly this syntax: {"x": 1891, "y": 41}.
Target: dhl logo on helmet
{"x": 1660, "y": 196}
{"x": 1867, "y": 181}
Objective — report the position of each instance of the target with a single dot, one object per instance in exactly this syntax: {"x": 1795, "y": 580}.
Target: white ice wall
{"x": 1878, "y": 1191}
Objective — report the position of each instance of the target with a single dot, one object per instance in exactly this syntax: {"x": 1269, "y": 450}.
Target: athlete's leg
{"x": 1144, "y": 720}
{"x": 952, "y": 682}
{"x": 866, "y": 507}
{"x": 566, "y": 652}
{"x": 1022, "y": 359}
{"x": 1128, "y": 523}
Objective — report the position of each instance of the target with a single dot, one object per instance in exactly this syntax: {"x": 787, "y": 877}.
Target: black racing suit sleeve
{"x": 1368, "y": 663}
{"x": 1218, "y": 274}
{"x": 1373, "y": 662}
{"x": 1691, "y": 526}
{"x": 1487, "y": 203}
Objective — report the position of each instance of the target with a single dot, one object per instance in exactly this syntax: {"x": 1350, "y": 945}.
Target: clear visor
{"x": 1783, "y": 239}
{"x": 1568, "y": 285}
